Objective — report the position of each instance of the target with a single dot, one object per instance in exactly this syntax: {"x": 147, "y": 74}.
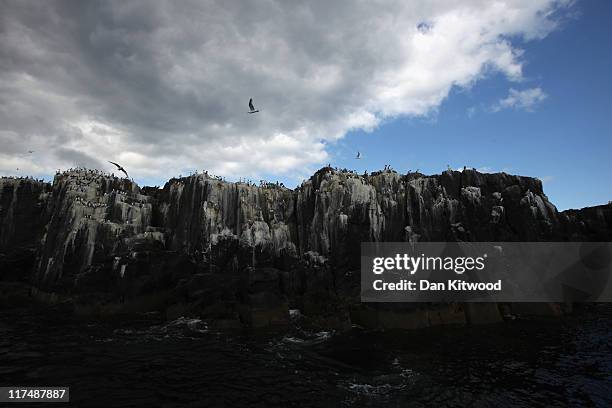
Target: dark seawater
{"x": 152, "y": 363}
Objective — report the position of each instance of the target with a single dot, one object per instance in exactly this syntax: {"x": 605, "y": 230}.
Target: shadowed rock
{"x": 212, "y": 246}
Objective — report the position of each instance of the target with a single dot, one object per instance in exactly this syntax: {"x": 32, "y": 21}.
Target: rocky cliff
{"x": 22, "y": 223}
{"x": 237, "y": 252}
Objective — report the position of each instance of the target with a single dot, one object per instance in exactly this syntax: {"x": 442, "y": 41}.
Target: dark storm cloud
{"x": 78, "y": 159}
{"x": 90, "y": 50}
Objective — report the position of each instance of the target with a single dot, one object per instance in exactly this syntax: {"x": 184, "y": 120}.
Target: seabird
{"x": 251, "y": 107}
{"x": 120, "y": 168}
{"x": 358, "y": 155}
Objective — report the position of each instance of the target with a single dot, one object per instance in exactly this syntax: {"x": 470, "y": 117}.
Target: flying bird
{"x": 358, "y": 155}
{"x": 251, "y": 107}
{"x": 30, "y": 151}
{"x": 120, "y": 168}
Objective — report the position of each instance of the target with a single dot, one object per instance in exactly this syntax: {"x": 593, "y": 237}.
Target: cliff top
{"x": 449, "y": 178}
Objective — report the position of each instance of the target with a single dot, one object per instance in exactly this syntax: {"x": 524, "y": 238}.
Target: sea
{"x": 146, "y": 361}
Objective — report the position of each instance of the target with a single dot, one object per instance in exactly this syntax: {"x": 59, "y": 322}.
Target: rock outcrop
{"x": 242, "y": 254}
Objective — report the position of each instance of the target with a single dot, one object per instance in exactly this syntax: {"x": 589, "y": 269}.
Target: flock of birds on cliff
{"x": 80, "y": 180}
{"x": 29, "y": 178}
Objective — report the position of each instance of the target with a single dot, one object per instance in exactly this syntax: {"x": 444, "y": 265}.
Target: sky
{"x": 162, "y": 88}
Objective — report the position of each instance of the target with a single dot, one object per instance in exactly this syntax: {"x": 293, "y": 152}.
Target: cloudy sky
{"x": 163, "y": 88}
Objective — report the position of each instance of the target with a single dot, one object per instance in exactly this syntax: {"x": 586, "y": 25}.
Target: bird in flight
{"x": 251, "y": 107}
{"x": 120, "y": 168}
{"x": 358, "y": 155}
{"x": 30, "y": 151}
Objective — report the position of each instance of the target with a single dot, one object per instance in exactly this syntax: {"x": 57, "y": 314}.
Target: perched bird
{"x": 119, "y": 168}
{"x": 251, "y": 107}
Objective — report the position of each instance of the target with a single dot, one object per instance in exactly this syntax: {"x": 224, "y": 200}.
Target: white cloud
{"x": 162, "y": 87}
{"x": 526, "y": 100}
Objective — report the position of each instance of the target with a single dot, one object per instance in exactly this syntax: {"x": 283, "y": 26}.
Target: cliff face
{"x": 198, "y": 211}
{"x": 91, "y": 217}
{"x": 339, "y": 210}
{"x": 594, "y": 223}
{"x": 22, "y": 223}
{"x": 226, "y": 246}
